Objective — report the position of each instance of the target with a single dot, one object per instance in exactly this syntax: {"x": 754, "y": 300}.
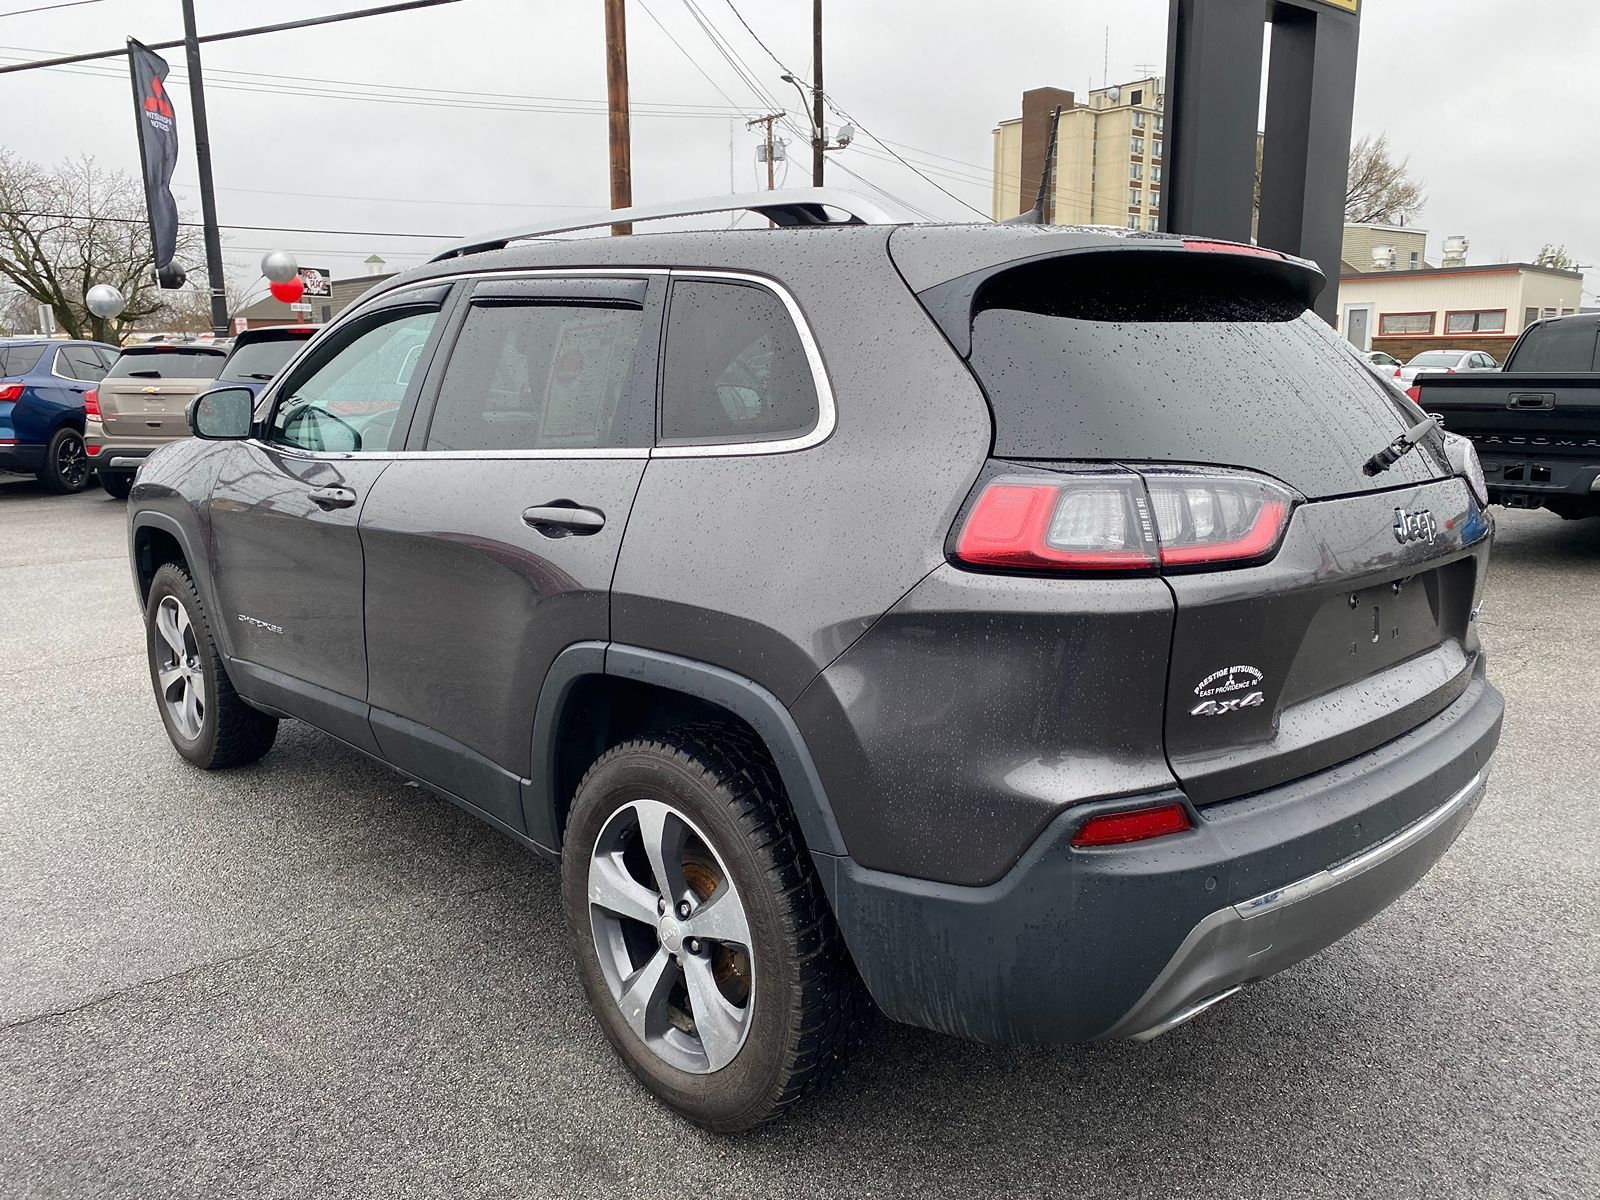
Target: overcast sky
{"x": 1494, "y": 101}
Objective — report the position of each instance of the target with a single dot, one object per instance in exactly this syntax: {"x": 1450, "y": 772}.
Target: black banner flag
{"x": 158, "y": 146}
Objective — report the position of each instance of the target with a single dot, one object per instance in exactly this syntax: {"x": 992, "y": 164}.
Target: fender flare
{"x": 746, "y": 699}
{"x": 196, "y": 561}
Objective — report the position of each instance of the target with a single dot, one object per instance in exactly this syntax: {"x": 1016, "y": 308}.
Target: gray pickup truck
{"x": 1536, "y": 424}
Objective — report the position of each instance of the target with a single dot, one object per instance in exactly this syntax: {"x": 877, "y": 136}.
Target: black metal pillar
{"x": 1213, "y": 101}
{"x": 1305, "y": 159}
{"x": 208, "y": 195}
{"x": 1213, "y": 97}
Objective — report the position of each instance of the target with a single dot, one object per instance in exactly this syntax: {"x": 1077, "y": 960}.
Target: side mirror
{"x": 222, "y": 415}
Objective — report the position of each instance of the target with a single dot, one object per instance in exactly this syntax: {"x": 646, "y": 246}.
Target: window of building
{"x": 1138, "y": 120}
{"x": 1136, "y": 146}
{"x": 1136, "y": 97}
{"x": 1151, "y": 222}
{"x": 735, "y": 368}
{"x": 1421, "y": 322}
{"x": 1529, "y": 316}
{"x": 536, "y": 377}
{"x": 1135, "y": 170}
{"x": 1489, "y": 320}
{"x": 1155, "y": 198}
{"x": 1161, "y": 124}
{"x": 1416, "y": 260}
{"x": 1135, "y": 197}
{"x": 1155, "y": 174}
{"x": 1155, "y": 148}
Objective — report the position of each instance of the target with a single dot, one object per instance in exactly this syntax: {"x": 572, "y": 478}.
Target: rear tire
{"x": 66, "y": 465}
{"x": 788, "y": 1006}
{"x": 205, "y": 718}
{"x": 116, "y": 483}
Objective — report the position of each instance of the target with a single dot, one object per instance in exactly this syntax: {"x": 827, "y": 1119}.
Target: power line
{"x": 22, "y": 12}
{"x": 57, "y": 216}
{"x": 732, "y": 57}
{"x": 230, "y": 34}
{"x": 692, "y": 60}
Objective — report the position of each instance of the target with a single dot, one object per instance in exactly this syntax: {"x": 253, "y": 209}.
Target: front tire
{"x": 66, "y": 464}
{"x": 206, "y": 720}
{"x": 702, "y": 937}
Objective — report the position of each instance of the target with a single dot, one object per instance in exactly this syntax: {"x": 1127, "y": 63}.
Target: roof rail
{"x": 790, "y": 206}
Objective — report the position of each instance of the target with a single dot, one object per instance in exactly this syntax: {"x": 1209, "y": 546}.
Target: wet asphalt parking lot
{"x": 307, "y": 978}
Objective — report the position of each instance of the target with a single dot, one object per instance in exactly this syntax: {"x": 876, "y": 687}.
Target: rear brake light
{"x": 1415, "y": 392}
{"x": 1123, "y": 521}
{"x": 12, "y": 391}
{"x": 1230, "y": 248}
{"x": 91, "y": 403}
{"x": 1115, "y": 829}
{"x": 93, "y": 449}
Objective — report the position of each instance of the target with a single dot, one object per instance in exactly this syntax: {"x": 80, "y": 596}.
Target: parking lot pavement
{"x": 309, "y": 978}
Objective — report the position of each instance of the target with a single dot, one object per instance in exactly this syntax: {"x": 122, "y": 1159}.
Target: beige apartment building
{"x": 1108, "y": 156}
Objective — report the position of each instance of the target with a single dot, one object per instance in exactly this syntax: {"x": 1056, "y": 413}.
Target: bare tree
{"x": 65, "y": 229}
{"x": 19, "y": 313}
{"x": 1551, "y": 255}
{"x": 1379, "y": 189}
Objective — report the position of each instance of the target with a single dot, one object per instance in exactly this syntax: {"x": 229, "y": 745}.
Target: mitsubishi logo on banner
{"x": 158, "y": 146}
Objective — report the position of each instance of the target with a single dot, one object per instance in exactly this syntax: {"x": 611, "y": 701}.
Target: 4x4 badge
{"x": 1417, "y": 526}
{"x": 1218, "y": 685}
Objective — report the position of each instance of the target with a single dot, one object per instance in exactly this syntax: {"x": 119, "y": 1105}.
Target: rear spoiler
{"x": 952, "y": 302}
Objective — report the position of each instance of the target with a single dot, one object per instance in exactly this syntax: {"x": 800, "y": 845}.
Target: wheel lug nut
{"x": 661, "y": 906}
{"x": 694, "y": 945}
{"x": 683, "y": 908}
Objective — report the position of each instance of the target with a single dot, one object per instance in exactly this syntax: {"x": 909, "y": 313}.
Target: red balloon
{"x": 290, "y": 291}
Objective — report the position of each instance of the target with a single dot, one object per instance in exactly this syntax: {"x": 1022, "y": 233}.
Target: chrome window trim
{"x": 827, "y": 417}
{"x": 826, "y": 412}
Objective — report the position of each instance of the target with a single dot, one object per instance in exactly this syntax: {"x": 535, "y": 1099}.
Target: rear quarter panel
{"x": 770, "y": 565}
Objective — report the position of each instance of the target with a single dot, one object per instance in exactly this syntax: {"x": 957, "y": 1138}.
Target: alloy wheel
{"x": 179, "y": 677}
{"x": 72, "y": 464}
{"x": 672, "y": 936}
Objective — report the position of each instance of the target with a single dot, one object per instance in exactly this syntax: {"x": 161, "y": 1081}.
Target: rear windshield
{"x": 1176, "y": 357}
{"x": 1436, "y": 358}
{"x": 167, "y": 364}
{"x": 1558, "y": 346}
{"x": 261, "y": 360}
{"x": 19, "y": 360}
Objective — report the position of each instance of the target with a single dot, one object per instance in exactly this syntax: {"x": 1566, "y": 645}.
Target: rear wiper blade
{"x": 263, "y": 375}
{"x": 145, "y": 374}
{"x": 1400, "y": 447}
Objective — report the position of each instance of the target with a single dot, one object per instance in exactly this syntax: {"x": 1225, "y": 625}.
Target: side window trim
{"x": 441, "y": 297}
{"x": 826, "y": 412}
{"x": 557, "y": 289}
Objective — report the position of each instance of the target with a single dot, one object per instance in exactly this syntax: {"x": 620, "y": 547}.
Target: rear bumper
{"x": 1125, "y": 942}
{"x": 110, "y": 454}
{"x": 1526, "y": 479}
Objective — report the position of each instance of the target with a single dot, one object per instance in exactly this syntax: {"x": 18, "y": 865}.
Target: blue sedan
{"x": 43, "y": 383}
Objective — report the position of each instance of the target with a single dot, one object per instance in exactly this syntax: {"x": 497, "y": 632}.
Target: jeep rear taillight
{"x": 1120, "y": 521}
{"x": 91, "y": 403}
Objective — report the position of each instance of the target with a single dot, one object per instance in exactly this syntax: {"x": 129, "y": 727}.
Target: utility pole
{"x": 617, "y": 102}
{"x": 819, "y": 135}
{"x": 208, "y": 195}
{"x": 771, "y": 142}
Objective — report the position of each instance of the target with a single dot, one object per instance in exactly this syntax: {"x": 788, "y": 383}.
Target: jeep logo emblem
{"x": 1418, "y": 526}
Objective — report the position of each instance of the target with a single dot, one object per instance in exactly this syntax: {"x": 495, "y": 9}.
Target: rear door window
{"x": 85, "y": 363}
{"x": 735, "y": 369}
{"x": 1558, "y": 346}
{"x": 261, "y": 360}
{"x": 19, "y": 360}
{"x": 540, "y": 373}
{"x": 1177, "y": 357}
{"x": 167, "y": 364}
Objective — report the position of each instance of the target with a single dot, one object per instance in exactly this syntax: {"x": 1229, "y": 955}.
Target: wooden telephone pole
{"x": 617, "y": 102}
{"x": 771, "y": 142}
{"x": 819, "y": 136}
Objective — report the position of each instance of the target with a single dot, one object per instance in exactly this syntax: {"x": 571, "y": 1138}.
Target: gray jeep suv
{"x": 1039, "y": 633}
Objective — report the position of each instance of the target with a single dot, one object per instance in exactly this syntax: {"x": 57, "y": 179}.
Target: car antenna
{"x": 1035, "y": 215}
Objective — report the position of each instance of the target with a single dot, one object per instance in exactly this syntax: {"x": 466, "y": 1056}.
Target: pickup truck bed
{"x": 1537, "y": 431}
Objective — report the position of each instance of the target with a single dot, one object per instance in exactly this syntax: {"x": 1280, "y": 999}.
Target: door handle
{"x": 563, "y": 518}
{"x": 327, "y": 498}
